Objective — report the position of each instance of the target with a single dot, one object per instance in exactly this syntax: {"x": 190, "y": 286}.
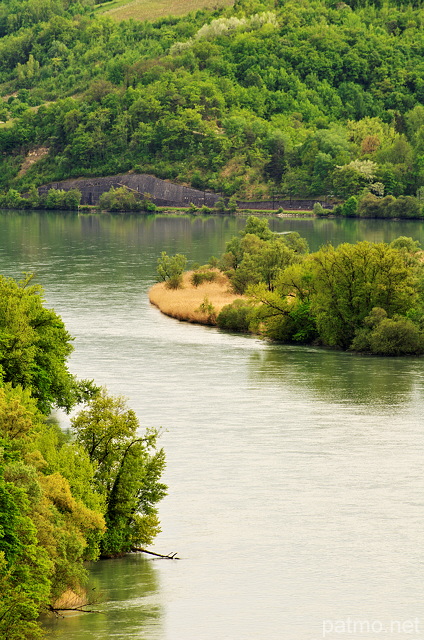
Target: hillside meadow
{"x": 154, "y": 9}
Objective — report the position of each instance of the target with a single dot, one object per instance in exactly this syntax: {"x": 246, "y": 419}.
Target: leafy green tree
{"x": 170, "y": 269}
{"x": 55, "y": 199}
{"x": 350, "y": 207}
{"x": 120, "y": 199}
{"x": 128, "y": 470}
{"x": 350, "y": 280}
{"x": 25, "y": 567}
{"x": 34, "y": 347}
{"x": 258, "y": 227}
{"x": 72, "y": 199}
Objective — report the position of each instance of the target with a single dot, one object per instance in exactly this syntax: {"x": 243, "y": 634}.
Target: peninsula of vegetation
{"x": 365, "y": 297}
{"x": 65, "y": 498}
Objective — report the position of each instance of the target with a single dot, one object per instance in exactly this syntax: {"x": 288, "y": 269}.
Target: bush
{"x": 174, "y": 282}
{"x": 208, "y": 309}
{"x": 235, "y": 316}
{"x": 380, "y": 335}
{"x": 406, "y": 207}
{"x": 319, "y": 209}
{"x": 122, "y": 199}
{"x": 350, "y": 207}
{"x": 170, "y": 269}
{"x": 198, "y": 277}
{"x": 370, "y": 206}
{"x": 396, "y": 337}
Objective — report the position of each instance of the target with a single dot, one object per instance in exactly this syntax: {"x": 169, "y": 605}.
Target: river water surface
{"x": 295, "y": 474}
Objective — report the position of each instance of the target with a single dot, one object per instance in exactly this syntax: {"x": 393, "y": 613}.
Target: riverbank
{"x": 199, "y": 304}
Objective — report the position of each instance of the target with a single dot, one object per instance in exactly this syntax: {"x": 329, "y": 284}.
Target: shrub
{"x": 198, "y": 277}
{"x": 208, "y": 309}
{"x": 235, "y": 316}
{"x": 319, "y": 209}
{"x": 123, "y": 199}
{"x": 385, "y": 336}
{"x": 406, "y": 207}
{"x": 396, "y": 337}
{"x": 170, "y": 269}
{"x": 174, "y": 282}
{"x": 350, "y": 207}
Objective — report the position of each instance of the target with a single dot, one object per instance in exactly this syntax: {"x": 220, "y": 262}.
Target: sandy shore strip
{"x": 184, "y": 303}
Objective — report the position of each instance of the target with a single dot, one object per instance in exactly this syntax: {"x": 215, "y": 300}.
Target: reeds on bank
{"x": 199, "y": 304}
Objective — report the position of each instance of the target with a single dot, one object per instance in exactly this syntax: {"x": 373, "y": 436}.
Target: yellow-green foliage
{"x": 46, "y": 531}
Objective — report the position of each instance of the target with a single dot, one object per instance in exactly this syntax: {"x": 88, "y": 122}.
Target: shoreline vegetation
{"x": 124, "y": 201}
{"x": 365, "y": 297}
{"x": 66, "y": 497}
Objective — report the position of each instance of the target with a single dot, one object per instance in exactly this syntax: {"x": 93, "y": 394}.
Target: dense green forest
{"x": 305, "y": 97}
{"x": 366, "y": 297}
{"x": 65, "y": 498}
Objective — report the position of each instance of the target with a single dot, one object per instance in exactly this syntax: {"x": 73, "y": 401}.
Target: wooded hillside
{"x": 306, "y": 97}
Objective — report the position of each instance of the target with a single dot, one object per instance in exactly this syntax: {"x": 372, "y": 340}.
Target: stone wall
{"x": 166, "y": 194}
{"x": 302, "y": 205}
{"x": 161, "y": 192}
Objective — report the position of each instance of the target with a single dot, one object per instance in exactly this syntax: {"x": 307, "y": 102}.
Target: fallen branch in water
{"x": 80, "y": 609}
{"x": 170, "y": 556}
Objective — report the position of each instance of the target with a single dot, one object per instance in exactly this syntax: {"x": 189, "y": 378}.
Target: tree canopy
{"x": 34, "y": 347}
{"x": 365, "y": 296}
{"x": 305, "y": 98}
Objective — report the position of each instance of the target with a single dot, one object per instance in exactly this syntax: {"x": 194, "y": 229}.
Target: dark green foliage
{"x": 34, "y": 346}
{"x": 352, "y": 279}
{"x": 247, "y": 100}
{"x": 58, "y": 495}
{"x": 395, "y": 336}
{"x": 54, "y": 199}
{"x": 350, "y": 207}
{"x": 259, "y": 255}
{"x": 44, "y": 528}
{"x": 202, "y": 275}
{"x": 235, "y": 316}
{"x": 365, "y": 296}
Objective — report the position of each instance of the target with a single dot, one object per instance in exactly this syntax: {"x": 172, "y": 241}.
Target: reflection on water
{"x": 294, "y": 473}
{"x": 132, "y": 580}
{"x": 339, "y": 377}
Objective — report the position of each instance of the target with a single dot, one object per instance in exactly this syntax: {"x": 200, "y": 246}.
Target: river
{"x": 295, "y": 473}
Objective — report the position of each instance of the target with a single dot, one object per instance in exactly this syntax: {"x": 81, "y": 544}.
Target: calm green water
{"x": 295, "y": 474}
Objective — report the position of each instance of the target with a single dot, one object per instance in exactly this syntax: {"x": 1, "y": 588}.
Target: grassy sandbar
{"x": 184, "y": 303}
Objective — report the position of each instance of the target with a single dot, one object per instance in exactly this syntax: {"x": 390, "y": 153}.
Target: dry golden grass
{"x": 153, "y": 9}
{"x": 71, "y": 600}
{"x": 183, "y": 303}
